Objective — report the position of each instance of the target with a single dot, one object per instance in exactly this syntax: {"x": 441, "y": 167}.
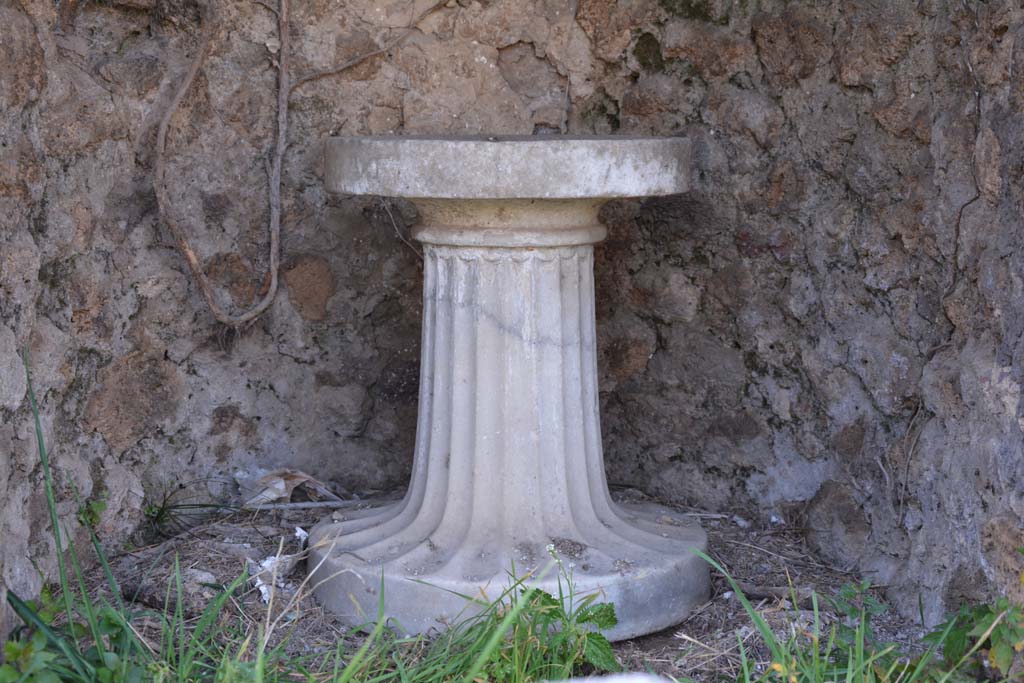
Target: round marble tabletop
{"x": 508, "y": 167}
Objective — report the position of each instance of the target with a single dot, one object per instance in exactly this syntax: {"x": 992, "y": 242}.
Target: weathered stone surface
{"x": 12, "y": 373}
{"x": 538, "y": 82}
{"x": 746, "y": 112}
{"x": 672, "y": 296}
{"x": 311, "y": 285}
{"x": 24, "y": 78}
{"x": 872, "y": 41}
{"x": 467, "y": 96}
{"x": 1002, "y": 539}
{"x": 716, "y": 53}
{"x": 19, "y": 279}
{"x": 791, "y": 45}
{"x": 230, "y": 273}
{"x": 837, "y": 528}
{"x": 987, "y": 166}
{"x": 134, "y": 396}
{"x": 846, "y": 259}
{"x": 656, "y": 102}
{"x": 610, "y": 24}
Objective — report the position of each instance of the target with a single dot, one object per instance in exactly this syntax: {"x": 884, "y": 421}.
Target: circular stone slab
{"x": 644, "y": 565}
{"x": 508, "y": 167}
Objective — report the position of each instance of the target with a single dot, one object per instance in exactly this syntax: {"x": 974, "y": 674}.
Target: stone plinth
{"x": 508, "y": 459}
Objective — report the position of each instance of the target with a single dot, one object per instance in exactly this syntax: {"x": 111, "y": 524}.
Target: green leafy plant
{"x": 90, "y": 511}
{"x": 855, "y": 603}
{"x": 47, "y": 606}
{"x": 990, "y": 633}
{"x": 28, "y": 661}
{"x": 553, "y": 635}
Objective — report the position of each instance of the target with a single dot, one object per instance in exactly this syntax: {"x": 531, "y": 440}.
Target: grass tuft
{"x": 849, "y": 653}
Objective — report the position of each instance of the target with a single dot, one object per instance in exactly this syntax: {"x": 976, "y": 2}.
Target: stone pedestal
{"x": 508, "y": 462}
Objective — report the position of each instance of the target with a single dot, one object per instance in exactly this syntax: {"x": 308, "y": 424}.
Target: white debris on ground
{"x": 271, "y": 574}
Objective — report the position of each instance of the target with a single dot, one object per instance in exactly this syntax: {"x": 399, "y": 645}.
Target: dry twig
{"x": 805, "y": 559}
{"x": 801, "y": 597}
{"x": 284, "y": 91}
{"x": 274, "y": 172}
{"x": 567, "y": 99}
{"x": 359, "y": 59}
{"x": 908, "y": 454}
{"x": 728, "y": 652}
{"x": 307, "y": 505}
{"x": 398, "y": 231}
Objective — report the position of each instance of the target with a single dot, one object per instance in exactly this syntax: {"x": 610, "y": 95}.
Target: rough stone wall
{"x": 828, "y": 329}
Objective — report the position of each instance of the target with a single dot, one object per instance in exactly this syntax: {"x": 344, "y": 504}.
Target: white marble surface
{"x": 508, "y": 466}
{"x": 543, "y": 167}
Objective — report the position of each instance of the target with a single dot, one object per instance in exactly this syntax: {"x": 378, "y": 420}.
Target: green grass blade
{"x": 51, "y": 501}
{"x": 179, "y": 622}
{"x": 108, "y": 573}
{"x": 933, "y": 649}
{"x": 203, "y": 634}
{"x": 497, "y": 635}
{"x": 129, "y": 641}
{"x": 353, "y": 667}
{"x": 744, "y": 661}
{"x": 762, "y": 626}
{"x": 86, "y": 605}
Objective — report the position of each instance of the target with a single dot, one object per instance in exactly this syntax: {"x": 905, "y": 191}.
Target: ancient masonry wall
{"x": 827, "y": 329}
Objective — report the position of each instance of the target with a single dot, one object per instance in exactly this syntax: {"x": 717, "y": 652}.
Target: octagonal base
{"x": 653, "y": 584}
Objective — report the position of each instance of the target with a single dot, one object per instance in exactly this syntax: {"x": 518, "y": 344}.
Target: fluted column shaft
{"x": 508, "y": 459}
{"x": 509, "y": 344}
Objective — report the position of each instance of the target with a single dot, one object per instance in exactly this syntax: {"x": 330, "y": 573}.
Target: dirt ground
{"x": 767, "y": 562}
